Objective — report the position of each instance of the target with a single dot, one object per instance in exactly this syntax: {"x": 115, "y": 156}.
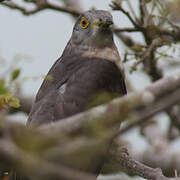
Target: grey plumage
{"x": 88, "y": 48}
{"x": 89, "y": 58}
{"x": 90, "y": 64}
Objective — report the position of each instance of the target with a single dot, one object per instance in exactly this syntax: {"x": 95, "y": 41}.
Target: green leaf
{"x": 15, "y": 74}
{"x": 9, "y": 100}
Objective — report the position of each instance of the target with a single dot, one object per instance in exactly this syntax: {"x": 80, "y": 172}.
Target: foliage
{"x": 9, "y": 100}
{"x": 15, "y": 74}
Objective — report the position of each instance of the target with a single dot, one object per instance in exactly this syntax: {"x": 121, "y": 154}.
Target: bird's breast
{"x": 107, "y": 53}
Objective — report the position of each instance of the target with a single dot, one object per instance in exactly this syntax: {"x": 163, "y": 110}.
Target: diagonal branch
{"x": 155, "y": 43}
{"x": 116, "y": 6}
{"x": 36, "y": 167}
{"x": 15, "y": 6}
{"x": 137, "y": 168}
{"x": 39, "y": 7}
{"x": 121, "y": 108}
{"x": 79, "y": 130}
{"x": 128, "y": 29}
{"x": 161, "y": 104}
{"x": 143, "y": 12}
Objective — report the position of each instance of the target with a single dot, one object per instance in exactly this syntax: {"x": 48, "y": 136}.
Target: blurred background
{"x": 32, "y": 43}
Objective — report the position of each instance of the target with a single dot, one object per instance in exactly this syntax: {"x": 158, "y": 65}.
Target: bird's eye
{"x": 84, "y": 22}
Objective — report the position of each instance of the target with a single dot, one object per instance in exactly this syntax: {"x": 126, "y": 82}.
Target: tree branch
{"x": 137, "y": 168}
{"x": 119, "y": 109}
{"x": 128, "y": 29}
{"x": 148, "y": 52}
{"x": 36, "y": 167}
{"x": 39, "y": 7}
{"x": 116, "y": 6}
{"x": 159, "y": 151}
{"x": 92, "y": 131}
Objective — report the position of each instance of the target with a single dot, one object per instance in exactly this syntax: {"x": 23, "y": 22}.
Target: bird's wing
{"x": 74, "y": 81}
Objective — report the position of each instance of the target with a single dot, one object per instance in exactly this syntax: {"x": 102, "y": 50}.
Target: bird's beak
{"x": 104, "y": 24}
{"x": 108, "y": 22}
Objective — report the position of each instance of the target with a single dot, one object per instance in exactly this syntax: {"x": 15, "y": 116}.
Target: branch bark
{"x": 43, "y": 5}
{"x": 92, "y": 131}
{"x": 36, "y": 167}
{"x": 119, "y": 109}
{"x": 137, "y": 168}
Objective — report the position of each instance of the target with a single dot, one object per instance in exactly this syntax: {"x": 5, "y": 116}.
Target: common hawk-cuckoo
{"x": 90, "y": 64}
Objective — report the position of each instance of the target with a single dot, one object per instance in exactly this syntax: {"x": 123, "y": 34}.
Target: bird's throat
{"x": 109, "y": 53}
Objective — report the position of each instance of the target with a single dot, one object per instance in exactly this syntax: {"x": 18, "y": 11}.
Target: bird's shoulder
{"x": 74, "y": 81}
{"x": 68, "y": 66}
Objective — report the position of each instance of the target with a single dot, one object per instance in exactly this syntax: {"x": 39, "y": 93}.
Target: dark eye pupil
{"x": 83, "y": 22}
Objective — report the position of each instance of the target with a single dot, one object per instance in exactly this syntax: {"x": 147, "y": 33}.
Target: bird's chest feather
{"x": 107, "y": 53}
{"x": 90, "y": 75}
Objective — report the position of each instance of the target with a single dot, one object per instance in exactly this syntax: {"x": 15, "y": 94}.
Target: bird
{"x": 90, "y": 64}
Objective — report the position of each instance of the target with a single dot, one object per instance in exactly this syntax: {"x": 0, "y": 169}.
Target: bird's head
{"x": 93, "y": 29}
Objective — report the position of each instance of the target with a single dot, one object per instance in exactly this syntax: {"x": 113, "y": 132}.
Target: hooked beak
{"x": 104, "y": 24}
{"x": 107, "y": 23}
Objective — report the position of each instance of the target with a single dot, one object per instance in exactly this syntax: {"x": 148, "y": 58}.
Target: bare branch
{"x": 39, "y": 7}
{"x": 137, "y": 168}
{"x": 36, "y": 167}
{"x": 159, "y": 152}
{"x": 116, "y": 30}
{"x": 120, "y": 108}
{"x": 148, "y": 52}
{"x": 116, "y": 6}
{"x": 15, "y": 6}
{"x": 143, "y": 11}
{"x": 71, "y": 11}
{"x": 160, "y": 105}
{"x": 132, "y": 10}
{"x": 142, "y": 104}
{"x": 174, "y": 34}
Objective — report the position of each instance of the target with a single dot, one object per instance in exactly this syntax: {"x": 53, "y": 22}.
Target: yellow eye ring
{"x": 84, "y": 22}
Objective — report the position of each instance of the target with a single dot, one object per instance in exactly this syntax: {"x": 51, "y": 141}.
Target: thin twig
{"x": 15, "y": 6}
{"x": 137, "y": 168}
{"x": 39, "y": 7}
{"x": 143, "y": 116}
{"x": 128, "y": 29}
{"x": 116, "y": 6}
{"x": 153, "y": 45}
{"x": 132, "y": 10}
{"x": 143, "y": 12}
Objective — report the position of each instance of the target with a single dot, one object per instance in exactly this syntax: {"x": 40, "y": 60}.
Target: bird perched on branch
{"x": 89, "y": 65}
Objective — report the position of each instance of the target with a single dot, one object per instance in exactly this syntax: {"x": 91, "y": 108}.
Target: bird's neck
{"x": 108, "y": 51}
